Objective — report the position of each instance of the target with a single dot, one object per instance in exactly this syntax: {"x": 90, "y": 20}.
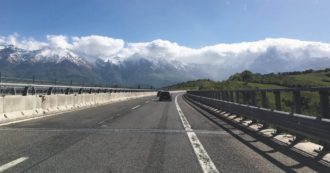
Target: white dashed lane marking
{"x": 12, "y": 163}
{"x": 135, "y": 107}
{"x": 203, "y": 158}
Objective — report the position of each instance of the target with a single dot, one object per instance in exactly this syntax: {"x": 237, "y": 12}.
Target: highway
{"x": 140, "y": 135}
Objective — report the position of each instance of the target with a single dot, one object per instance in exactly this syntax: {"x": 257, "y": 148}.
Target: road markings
{"x": 112, "y": 130}
{"x": 135, "y": 107}
{"x": 12, "y": 163}
{"x": 147, "y": 101}
{"x": 101, "y": 122}
{"x": 203, "y": 158}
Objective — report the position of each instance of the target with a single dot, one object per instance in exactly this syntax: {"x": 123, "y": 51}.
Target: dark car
{"x": 165, "y": 95}
{"x": 158, "y": 93}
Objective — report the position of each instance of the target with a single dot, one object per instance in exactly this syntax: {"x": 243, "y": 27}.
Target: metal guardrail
{"x": 64, "y": 82}
{"x": 33, "y": 89}
{"x": 301, "y": 125}
{"x": 249, "y": 97}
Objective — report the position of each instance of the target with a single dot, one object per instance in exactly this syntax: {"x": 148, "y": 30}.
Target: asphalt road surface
{"x": 142, "y": 135}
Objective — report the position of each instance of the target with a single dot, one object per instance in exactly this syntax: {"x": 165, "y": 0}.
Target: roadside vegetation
{"x": 249, "y": 80}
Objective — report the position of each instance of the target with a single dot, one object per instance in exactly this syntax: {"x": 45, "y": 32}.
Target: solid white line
{"x": 203, "y": 158}
{"x": 136, "y": 107}
{"x": 12, "y": 163}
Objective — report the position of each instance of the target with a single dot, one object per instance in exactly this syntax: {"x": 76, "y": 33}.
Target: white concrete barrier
{"x": 13, "y": 107}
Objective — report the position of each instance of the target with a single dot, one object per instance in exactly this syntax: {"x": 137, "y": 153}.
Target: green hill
{"x": 247, "y": 79}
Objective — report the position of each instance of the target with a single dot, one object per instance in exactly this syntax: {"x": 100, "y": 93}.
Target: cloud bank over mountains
{"x": 220, "y": 60}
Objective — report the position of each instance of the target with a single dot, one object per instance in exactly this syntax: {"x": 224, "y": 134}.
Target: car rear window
{"x": 165, "y": 93}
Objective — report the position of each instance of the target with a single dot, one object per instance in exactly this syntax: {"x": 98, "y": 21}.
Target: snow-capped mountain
{"x": 13, "y": 54}
{"x": 62, "y": 64}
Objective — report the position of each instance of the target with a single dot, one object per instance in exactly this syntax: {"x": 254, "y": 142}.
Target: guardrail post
{"x": 218, "y": 95}
{"x": 231, "y": 95}
{"x": 237, "y": 96}
{"x": 13, "y": 91}
{"x": 25, "y": 91}
{"x": 67, "y": 91}
{"x": 253, "y": 98}
{"x": 33, "y": 91}
{"x": 277, "y": 95}
{"x": 49, "y": 91}
{"x": 296, "y": 101}
{"x": 264, "y": 100}
{"x": 226, "y": 96}
{"x": 324, "y": 104}
{"x": 245, "y": 100}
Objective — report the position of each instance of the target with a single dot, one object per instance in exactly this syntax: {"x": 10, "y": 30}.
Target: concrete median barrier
{"x": 14, "y": 107}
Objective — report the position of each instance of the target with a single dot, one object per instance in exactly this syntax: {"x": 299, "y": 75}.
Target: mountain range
{"x": 47, "y": 64}
{"x": 104, "y": 60}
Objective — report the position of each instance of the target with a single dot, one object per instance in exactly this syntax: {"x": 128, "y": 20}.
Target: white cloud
{"x": 58, "y": 42}
{"x": 24, "y": 43}
{"x": 95, "y": 46}
{"x": 156, "y": 49}
{"x": 224, "y": 53}
{"x": 222, "y": 60}
{"x": 266, "y": 55}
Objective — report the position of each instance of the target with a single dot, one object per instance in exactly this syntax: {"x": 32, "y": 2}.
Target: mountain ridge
{"x": 63, "y": 64}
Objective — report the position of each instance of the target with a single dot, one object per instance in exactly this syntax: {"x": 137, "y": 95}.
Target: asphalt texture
{"x": 141, "y": 135}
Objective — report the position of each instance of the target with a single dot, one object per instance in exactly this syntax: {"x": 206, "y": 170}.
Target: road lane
{"x": 240, "y": 152}
{"x": 117, "y": 138}
{"x": 203, "y": 158}
{"x": 78, "y": 142}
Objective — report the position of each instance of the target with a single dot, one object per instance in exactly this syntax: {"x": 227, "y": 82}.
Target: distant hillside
{"x": 247, "y": 79}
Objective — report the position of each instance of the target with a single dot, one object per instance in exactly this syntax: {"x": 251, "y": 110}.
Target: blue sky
{"x": 193, "y": 23}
